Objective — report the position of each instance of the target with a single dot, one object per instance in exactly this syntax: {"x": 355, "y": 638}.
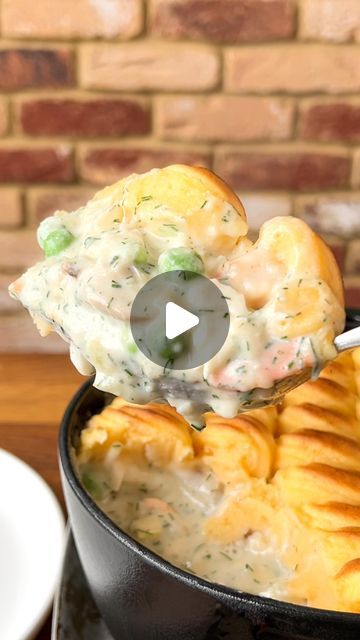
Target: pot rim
{"x": 266, "y": 605}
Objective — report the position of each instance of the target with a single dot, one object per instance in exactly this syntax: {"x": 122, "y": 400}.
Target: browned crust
{"x": 213, "y": 183}
{"x": 310, "y": 416}
{"x": 324, "y": 393}
{"x": 311, "y": 437}
{"x": 323, "y": 472}
{"x": 333, "y": 515}
{"x": 308, "y": 446}
{"x": 349, "y": 569}
{"x": 148, "y": 413}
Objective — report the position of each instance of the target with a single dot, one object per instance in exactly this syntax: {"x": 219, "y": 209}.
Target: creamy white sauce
{"x": 85, "y": 293}
{"x": 166, "y": 510}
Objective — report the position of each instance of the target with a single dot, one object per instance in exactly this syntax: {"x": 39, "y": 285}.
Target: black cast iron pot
{"x": 143, "y": 597}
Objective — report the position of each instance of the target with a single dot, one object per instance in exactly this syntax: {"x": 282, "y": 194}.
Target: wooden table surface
{"x": 34, "y": 391}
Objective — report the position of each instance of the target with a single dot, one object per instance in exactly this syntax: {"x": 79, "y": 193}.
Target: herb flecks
{"x": 89, "y": 241}
{"x": 171, "y": 226}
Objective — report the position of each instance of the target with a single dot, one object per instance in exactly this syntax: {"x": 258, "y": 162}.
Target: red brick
{"x": 261, "y": 207}
{"x": 222, "y": 117}
{"x": 330, "y": 121}
{"x": 355, "y": 178}
{"x": 10, "y": 208}
{"x": 338, "y": 248}
{"x": 228, "y": 21}
{"x": 331, "y": 20}
{"x": 18, "y": 249}
{"x": 43, "y": 201}
{"x": 45, "y": 164}
{"x": 84, "y": 117}
{"x": 103, "y": 165}
{"x": 72, "y": 19}
{"x": 337, "y": 214}
{"x": 4, "y": 117}
{"x": 352, "y": 291}
{"x": 149, "y": 65}
{"x": 21, "y": 68}
{"x": 293, "y": 68}
{"x": 353, "y": 257}
{"x": 297, "y": 170}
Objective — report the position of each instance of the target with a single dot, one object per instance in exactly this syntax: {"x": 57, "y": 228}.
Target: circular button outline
{"x": 197, "y": 294}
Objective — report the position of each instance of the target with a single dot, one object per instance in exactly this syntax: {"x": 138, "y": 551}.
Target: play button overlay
{"x": 179, "y": 320}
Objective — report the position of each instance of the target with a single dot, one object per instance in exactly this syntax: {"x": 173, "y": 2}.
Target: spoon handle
{"x": 348, "y": 340}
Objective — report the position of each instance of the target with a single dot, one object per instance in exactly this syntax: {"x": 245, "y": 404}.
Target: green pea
{"x": 180, "y": 259}
{"x": 132, "y": 347}
{"x": 47, "y": 226}
{"x": 171, "y": 349}
{"x": 57, "y": 241}
{"x": 91, "y": 486}
{"x": 141, "y": 256}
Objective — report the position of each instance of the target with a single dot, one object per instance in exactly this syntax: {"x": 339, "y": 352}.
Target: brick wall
{"x": 264, "y": 91}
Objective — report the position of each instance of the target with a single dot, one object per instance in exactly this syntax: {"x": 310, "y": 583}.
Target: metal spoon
{"x": 198, "y": 394}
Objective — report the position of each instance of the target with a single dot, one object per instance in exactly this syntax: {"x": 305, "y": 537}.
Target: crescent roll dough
{"x": 308, "y": 446}
{"x": 155, "y": 431}
{"x": 176, "y": 193}
{"x": 236, "y": 448}
{"x": 318, "y": 470}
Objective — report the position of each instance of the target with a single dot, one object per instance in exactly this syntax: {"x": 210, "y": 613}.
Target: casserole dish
{"x": 143, "y": 597}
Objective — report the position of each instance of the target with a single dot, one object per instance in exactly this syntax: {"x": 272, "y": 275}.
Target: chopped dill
{"x": 168, "y": 364}
{"x": 148, "y": 533}
{"x": 88, "y": 241}
{"x": 114, "y": 260}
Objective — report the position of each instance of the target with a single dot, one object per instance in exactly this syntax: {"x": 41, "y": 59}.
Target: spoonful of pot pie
{"x": 284, "y": 292}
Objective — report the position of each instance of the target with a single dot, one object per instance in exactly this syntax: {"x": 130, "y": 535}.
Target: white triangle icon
{"x": 178, "y": 320}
